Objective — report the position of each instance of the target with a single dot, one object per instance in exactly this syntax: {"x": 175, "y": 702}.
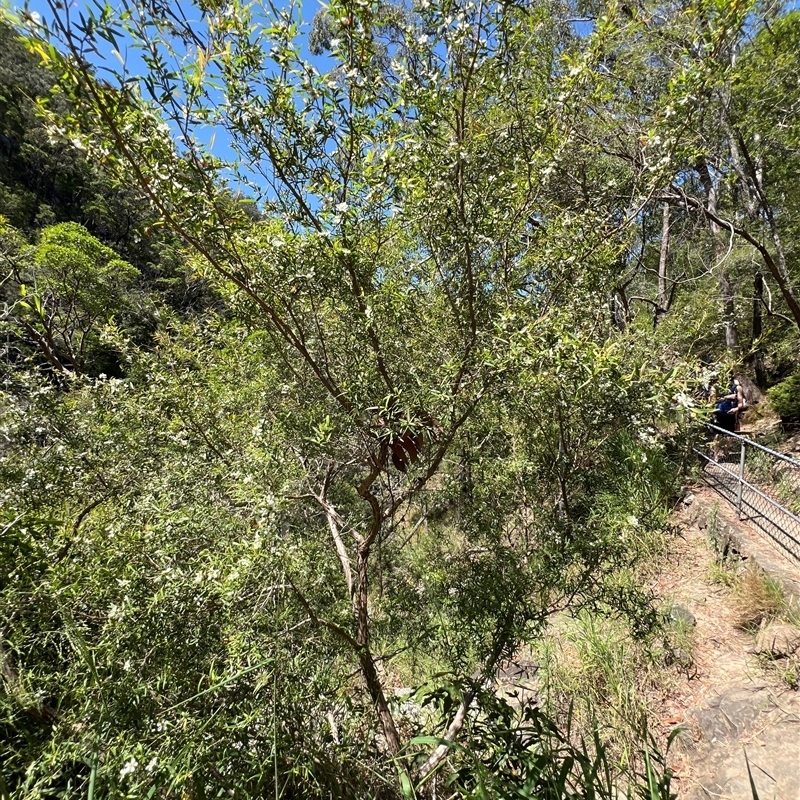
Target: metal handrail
{"x": 774, "y": 518}
{"x": 758, "y": 491}
{"x": 781, "y": 456}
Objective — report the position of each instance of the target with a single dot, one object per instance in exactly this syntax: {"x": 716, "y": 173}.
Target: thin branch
{"x": 460, "y": 717}
{"x": 324, "y": 623}
{"x": 777, "y": 314}
{"x": 334, "y": 523}
{"x": 644, "y": 300}
{"x": 121, "y": 145}
{"x": 680, "y": 196}
{"x": 416, "y": 527}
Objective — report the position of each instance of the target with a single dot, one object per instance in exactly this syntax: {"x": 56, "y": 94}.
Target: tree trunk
{"x": 663, "y": 299}
{"x": 758, "y": 298}
{"x": 620, "y": 313}
{"x": 728, "y": 304}
{"x": 751, "y": 175}
{"x": 375, "y": 689}
{"x": 723, "y": 280}
{"x": 769, "y": 262}
{"x": 757, "y": 357}
{"x": 365, "y": 657}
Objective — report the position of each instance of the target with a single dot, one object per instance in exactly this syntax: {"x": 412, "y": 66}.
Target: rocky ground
{"x": 729, "y": 689}
{"x": 735, "y": 697}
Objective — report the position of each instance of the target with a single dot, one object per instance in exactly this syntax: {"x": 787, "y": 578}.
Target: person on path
{"x": 729, "y": 407}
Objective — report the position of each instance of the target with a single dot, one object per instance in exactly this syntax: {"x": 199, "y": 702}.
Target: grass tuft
{"x": 594, "y": 670}
{"x": 761, "y": 599}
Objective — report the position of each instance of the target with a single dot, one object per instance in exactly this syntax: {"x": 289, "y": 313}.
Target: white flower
{"x": 130, "y": 766}
{"x": 423, "y": 39}
{"x": 342, "y": 207}
{"x": 633, "y": 521}
{"x": 127, "y": 665}
{"x": 152, "y": 765}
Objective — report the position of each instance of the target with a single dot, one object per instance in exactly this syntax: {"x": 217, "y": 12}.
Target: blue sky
{"x": 214, "y": 139}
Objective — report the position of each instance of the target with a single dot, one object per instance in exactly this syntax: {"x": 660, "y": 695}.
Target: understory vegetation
{"x": 348, "y": 354}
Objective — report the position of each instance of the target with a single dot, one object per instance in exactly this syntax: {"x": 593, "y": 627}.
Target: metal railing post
{"x": 780, "y": 522}
{"x": 741, "y": 483}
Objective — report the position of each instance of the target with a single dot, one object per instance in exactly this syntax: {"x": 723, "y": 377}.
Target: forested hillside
{"x": 343, "y": 348}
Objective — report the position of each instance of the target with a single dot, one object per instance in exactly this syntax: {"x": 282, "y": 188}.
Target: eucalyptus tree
{"x": 676, "y": 113}
{"x": 762, "y": 132}
{"x": 425, "y": 299}
{"x": 731, "y": 169}
{"x": 726, "y": 172}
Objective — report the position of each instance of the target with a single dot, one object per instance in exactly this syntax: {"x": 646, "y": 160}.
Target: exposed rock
{"x": 698, "y": 515}
{"x": 688, "y": 499}
{"x": 752, "y": 393}
{"x": 727, "y": 543}
{"x": 730, "y": 715}
{"x": 516, "y": 670}
{"x": 777, "y": 640}
{"x": 738, "y": 542}
{"x": 680, "y": 615}
{"x": 729, "y": 704}
{"x": 682, "y": 659}
{"x": 751, "y": 719}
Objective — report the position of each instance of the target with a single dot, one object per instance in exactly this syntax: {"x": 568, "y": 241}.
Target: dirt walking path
{"x": 727, "y": 702}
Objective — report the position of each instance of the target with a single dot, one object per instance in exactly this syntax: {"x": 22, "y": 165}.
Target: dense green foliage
{"x": 785, "y": 397}
{"x": 47, "y": 179}
{"x": 285, "y": 479}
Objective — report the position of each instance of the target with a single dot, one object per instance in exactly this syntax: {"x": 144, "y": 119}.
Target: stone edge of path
{"x": 754, "y": 715}
{"x": 737, "y": 538}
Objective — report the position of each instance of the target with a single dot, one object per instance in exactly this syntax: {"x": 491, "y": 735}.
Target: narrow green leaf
{"x": 750, "y": 776}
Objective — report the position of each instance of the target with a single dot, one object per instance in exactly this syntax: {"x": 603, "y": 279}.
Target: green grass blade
{"x": 750, "y": 777}
{"x": 222, "y": 683}
{"x": 92, "y": 778}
